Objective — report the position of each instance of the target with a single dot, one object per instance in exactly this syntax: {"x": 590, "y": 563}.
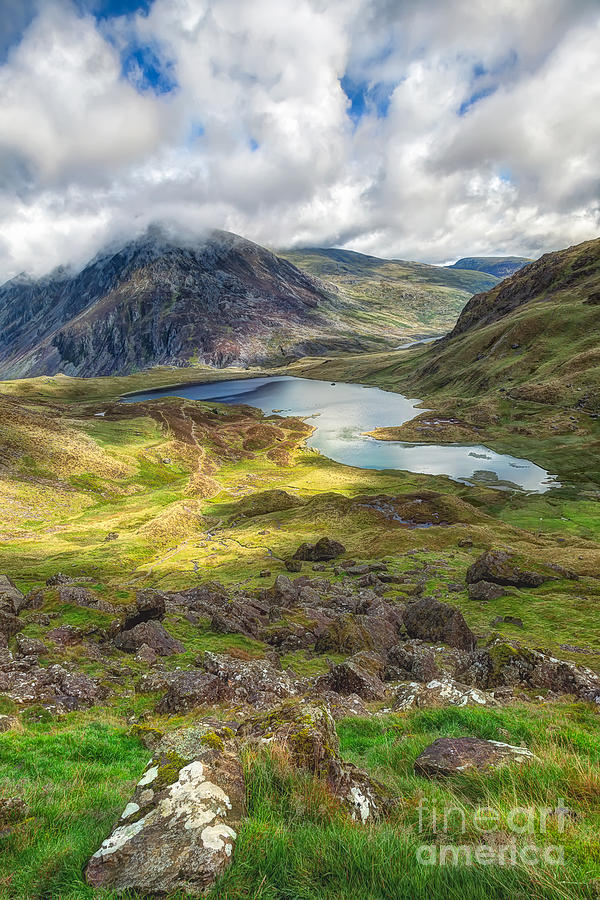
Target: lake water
{"x": 341, "y": 412}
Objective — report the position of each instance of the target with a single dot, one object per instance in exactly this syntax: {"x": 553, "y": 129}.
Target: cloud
{"x": 425, "y": 131}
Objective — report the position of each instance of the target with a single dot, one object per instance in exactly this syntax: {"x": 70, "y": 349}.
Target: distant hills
{"x": 219, "y": 300}
{"x": 500, "y": 266}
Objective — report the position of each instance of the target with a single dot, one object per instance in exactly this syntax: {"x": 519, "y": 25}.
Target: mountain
{"x": 218, "y": 300}
{"x": 534, "y": 336}
{"x": 393, "y": 293}
{"x": 500, "y": 266}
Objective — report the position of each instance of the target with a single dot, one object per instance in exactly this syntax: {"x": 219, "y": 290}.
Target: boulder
{"x": 350, "y": 633}
{"x": 452, "y": 756}
{"x": 360, "y": 675}
{"x": 498, "y": 566}
{"x": 12, "y": 601}
{"x": 308, "y": 733}
{"x": 7, "y": 722}
{"x": 485, "y": 590}
{"x": 9, "y": 624}
{"x": 324, "y": 550}
{"x": 434, "y": 621}
{"x": 440, "y": 692}
{"x": 410, "y": 661}
{"x": 153, "y": 635}
{"x": 28, "y": 646}
{"x": 54, "y": 686}
{"x": 179, "y": 829}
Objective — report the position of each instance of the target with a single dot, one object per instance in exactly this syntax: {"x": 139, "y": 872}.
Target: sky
{"x": 414, "y": 129}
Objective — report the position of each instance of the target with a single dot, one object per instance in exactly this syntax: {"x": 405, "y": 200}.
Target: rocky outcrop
{"x": 150, "y": 634}
{"x": 452, "y": 756}
{"x": 12, "y": 601}
{"x": 360, "y": 675}
{"x": 54, "y": 687}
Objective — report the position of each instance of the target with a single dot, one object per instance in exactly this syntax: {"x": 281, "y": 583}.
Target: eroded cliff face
{"x": 220, "y": 301}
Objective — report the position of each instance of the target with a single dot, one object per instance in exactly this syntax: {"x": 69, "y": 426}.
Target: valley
{"x": 192, "y": 576}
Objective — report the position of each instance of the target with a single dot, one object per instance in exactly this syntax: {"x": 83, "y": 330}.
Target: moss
{"x": 213, "y": 740}
{"x": 504, "y": 654}
{"x": 147, "y": 734}
{"x": 169, "y": 767}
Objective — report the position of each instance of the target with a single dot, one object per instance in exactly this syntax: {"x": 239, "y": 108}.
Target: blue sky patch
{"x": 109, "y": 9}
{"x": 366, "y": 98}
{"x": 147, "y": 69}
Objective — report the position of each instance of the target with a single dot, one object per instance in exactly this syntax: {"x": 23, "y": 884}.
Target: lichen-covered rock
{"x": 452, "y": 756}
{"x": 308, "y": 733}
{"x": 179, "y": 829}
{"x": 440, "y": 692}
{"x": 350, "y": 633}
{"x": 11, "y": 599}
{"x": 506, "y": 664}
{"x": 7, "y": 722}
{"x": 433, "y": 621}
{"x": 498, "y": 566}
{"x": 324, "y": 550}
{"x": 55, "y": 687}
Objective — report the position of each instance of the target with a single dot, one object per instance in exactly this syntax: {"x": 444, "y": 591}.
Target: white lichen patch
{"x": 129, "y": 810}
{"x": 214, "y": 837}
{"x": 148, "y": 776}
{"x": 118, "y": 839}
{"x": 361, "y": 804}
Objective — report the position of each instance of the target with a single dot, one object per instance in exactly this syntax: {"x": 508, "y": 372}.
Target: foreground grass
{"x": 77, "y": 774}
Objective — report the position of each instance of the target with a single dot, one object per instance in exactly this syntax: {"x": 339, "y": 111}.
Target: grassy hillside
{"x": 500, "y": 266}
{"x": 416, "y": 297}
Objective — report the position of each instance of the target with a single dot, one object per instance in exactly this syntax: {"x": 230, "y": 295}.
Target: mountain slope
{"x": 499, "y": 266}
{"x": 394, "y": 293}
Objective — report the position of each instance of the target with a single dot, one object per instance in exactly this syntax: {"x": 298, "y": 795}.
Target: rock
{"x": 293, "y": 565}
{"x": 152, "y": 634}
{"x": 509, "y": 620}
{"x": 308, "y": 733}
{"x": 410, "y": 661}
{"x": 451, "y": 756}
{"x": 54, "y": 686}
{"x": 440, "y": 692}
{"x": 465, "y": 542}
{"x": 112, "y": 536}
{"x": 264, "y": 573}
{"x": 505, "y": 664}
{"x": 66, "y": 636}
{"x": 485, "y": 590}
{"x": 497, "y": 566}
{"x": 324, "y": 550}
{"x": 81, "y": 596}
{"x": 59, "y": 578}
{"x": 12, "y": 811}
{"x": 178, "y": 832}
{"x": 27, "y": 646}
{"x": 350, "y": 633}
{"x": 9, "y": 624}
{"x": 146, "y": 654}
{"x": 226, "y": 679}
{"x": 7, "y": 722}
{"x": 360, "y": 675}
{"x": 433, "y": 621}
{"x": 12, "y": 601}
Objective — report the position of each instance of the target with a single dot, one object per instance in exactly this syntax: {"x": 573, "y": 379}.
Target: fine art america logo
{"x": 507, "y": 840}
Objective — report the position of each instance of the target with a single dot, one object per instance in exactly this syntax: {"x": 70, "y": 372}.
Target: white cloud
{"x": 257, "y": 135}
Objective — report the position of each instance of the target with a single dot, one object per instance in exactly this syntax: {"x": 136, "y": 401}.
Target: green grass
{"x": 297, "y": 842}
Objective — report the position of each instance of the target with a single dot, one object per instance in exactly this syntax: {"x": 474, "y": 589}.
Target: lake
{"x": 341, "y": 412}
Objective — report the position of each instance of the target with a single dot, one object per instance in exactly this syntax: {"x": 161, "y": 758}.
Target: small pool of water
{"x": 342, "y": 412}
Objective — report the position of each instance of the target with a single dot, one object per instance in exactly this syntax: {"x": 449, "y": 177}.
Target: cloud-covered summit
{"x": 395, "y": 127}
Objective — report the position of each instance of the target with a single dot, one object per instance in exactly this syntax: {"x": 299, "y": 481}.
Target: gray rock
{"x": 11, "y": 599}
{"x": 153, "y": 634}
{"x": 178, "y": 832}
{"x": 440, "y": 692}
{"x": 498, "y": 566}
{"x": 485, "y": 590}
{"x": 452, "y": 756}
{"x": 433, "y": 621}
